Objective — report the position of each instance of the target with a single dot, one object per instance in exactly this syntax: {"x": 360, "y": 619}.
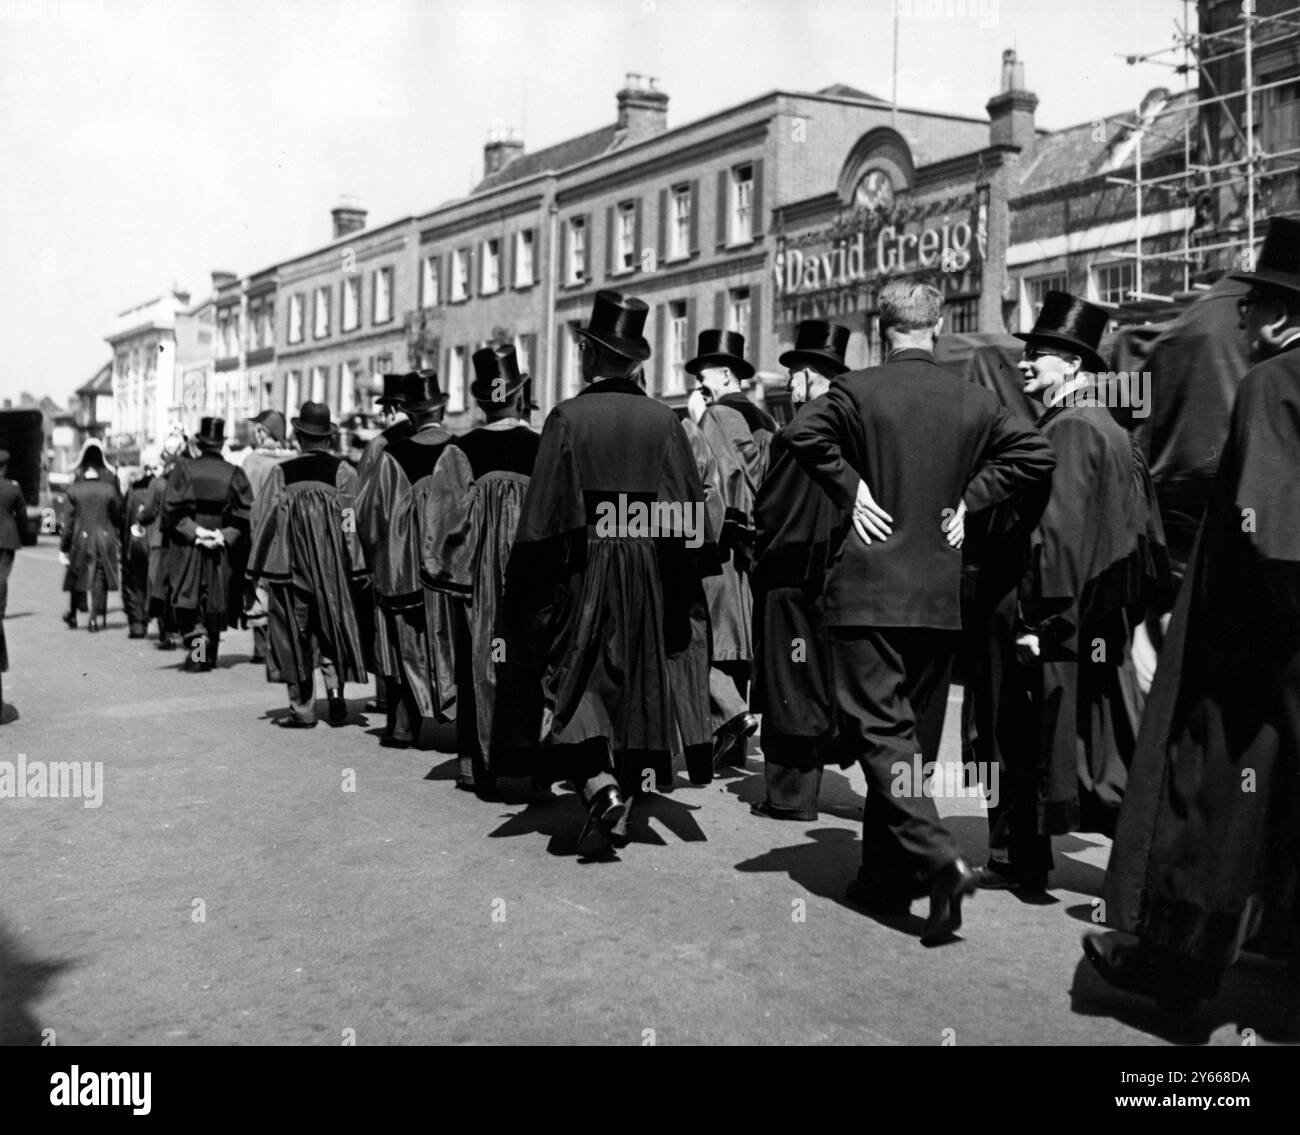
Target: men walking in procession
{"x": 738, "y": 434}
{"x": 206, "y": 514}
{"x": 797, "y": 531}
{"x": 1206, "y": 858}
{"x": 270, "y": 448}
{"x": 932, "y": 447}
{"x": 392, "y": 510}
{"x": 608, "y": 596}
{"x": 307, "y": 555}
{"x": 92, "y": 523}
{"x": 475, "y": 502}
{"x": 1049, "y": 705}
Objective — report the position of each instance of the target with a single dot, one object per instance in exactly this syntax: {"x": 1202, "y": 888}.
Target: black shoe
{"x": 292, "y": 722}
{"x": 391, "y": 742}
{"x": 338, "y": 711}
{"x": 137, "y": 632}
{"x": 773, "y": 812}
{"x": 878, "y": 898}
{"x": 729, "y": 741}
{"x": 70, "y": 621}
{"x": 949, "y": 886}
{"x": 1138, "y": 968}
{"x": 93, "y": 626}
{"x": 606, "y": 812}
{"x": 991, "y": 878}
{"x": 166, "y": 642}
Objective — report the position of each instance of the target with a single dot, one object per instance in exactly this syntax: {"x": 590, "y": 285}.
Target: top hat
{"x": 496, "y": 375}
{"x": 212, "y": 433}
{"x": 393, "y": 394}
{"x": 313, "y": 420}
{"x": 721, "y": 349}
{"x": 273, "y": 422}
{"x": 1278, "y": 265}
{"x": 423, "y": 391}
{"x": 617, "y": 323}
{"x": 820, "y": 343}
{"x": 4, "y": 457}
{"x": 1071, "y": 323}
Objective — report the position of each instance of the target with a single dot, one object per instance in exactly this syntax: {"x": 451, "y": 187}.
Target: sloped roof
{"x": 560, "y": 156}
{"x": 101, "y": 383}
{"x": 1074, "y": 154}
{"x": 844, "y": 91}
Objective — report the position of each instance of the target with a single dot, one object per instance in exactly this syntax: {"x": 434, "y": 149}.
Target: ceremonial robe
{"x": 305, "y": 548}
{"x": 92, "y": 519}
{"x": 392, "y": 508}
{"x": 609, "y": 604}
{"x": 1207, "y": 849}
{"x": 472, "y": 514}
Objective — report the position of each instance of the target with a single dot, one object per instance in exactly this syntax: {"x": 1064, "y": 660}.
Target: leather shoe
{"x": 950, "y": 885}
{"x": 391, "y": 742}
{"x": 878, "y": 898}
{"x": 338, "y": 713}
{"x": 292, "y": 722}
{"x": 606, "y": 812}
{"x": 731, "y": 737}
{"x": 990, "y": 878}
{"x": 772, "y": 812}
{"x": 1136, "y": 967}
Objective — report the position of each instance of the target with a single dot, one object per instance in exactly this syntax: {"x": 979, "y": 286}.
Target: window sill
{"x": 524, "y": 287}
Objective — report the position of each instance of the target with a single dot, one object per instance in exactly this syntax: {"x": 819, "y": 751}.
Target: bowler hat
{"x": 721, "y": 349}
{"x": 819, "y": 344}
{"x": 496, "y": 374}
{"x": 273, "y": 422}
{"x": 618, "y": 323}
{"x": 393, "y": 394}
{"x": 1072, "y": 324}
{"x": 1278, "y": 265}
{"x": 313, "y": 420}
{"x": 212, "y": 433}
{"x": 423, "y": 391}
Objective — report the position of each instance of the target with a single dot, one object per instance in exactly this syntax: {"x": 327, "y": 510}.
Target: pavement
{"x": 242, "y": 884}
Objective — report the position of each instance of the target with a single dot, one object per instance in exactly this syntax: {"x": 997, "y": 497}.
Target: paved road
{"x": 244, "y": 884}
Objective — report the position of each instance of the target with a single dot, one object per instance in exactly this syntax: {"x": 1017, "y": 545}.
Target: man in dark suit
{"x": 13, "y": 518}
{"x": 933, "y": 447}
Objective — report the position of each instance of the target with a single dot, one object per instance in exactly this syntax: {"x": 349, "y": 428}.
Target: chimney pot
{"x": 642, "y": 108}
{"x": 1011, "y": 111}
{"x": 348, "y": 218}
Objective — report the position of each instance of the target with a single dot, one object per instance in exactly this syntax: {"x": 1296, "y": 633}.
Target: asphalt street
{"x": 242, "y": 884}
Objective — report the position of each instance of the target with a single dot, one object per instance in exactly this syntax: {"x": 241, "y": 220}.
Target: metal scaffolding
{"x": 1249, "y": 34}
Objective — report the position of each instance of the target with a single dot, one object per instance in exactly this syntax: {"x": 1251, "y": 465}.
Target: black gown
{"x": 1207, "y": 851}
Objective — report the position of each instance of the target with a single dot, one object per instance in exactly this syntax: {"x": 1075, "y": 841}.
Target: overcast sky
{"x": 146, "y": 143}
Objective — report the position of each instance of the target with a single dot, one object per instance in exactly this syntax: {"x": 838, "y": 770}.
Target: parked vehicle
{"x": 22, "y": 433}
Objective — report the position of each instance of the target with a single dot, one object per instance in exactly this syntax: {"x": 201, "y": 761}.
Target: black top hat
{"x": 393, "y": 394}
{"x": 721, "y": 349}
{"x": 820, "y": 343}
{"x": 1278, "y": 265}
{"x": 273, "y": 422}
{"x": 423, "y": 392}
{"x": 618, "y": 323}
{"x": 496, "y": 375}
{"x": 212, "y": 433}
{"x": 1072, "y": 324}
{"x": 313, "y": 420}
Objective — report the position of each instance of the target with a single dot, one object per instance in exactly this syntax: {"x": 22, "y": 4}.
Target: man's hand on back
{"x": 868, "y": 517}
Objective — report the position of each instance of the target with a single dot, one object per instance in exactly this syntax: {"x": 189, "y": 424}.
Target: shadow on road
{"x": 23, "y": 982}
{"x": 1253, "y": 999}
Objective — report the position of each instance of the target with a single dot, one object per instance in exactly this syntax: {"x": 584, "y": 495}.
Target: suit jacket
{"x": 13, "y": 515}
{"x": 922, "y": 440}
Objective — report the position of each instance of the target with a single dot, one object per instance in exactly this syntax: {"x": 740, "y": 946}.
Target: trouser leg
{"x": 6, "y": 566}
{"x": 792, "y": 770}
{"x": 726, "y": 692}
{"x": 891, "y": 691}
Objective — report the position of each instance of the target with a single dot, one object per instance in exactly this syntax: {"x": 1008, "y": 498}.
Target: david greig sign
{"x": 865, "y": 247}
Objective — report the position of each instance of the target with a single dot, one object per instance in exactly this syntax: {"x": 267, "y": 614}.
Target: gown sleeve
{"x": 447, "y": 558}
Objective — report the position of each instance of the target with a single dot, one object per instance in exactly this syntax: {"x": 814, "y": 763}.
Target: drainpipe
{"x": 552, "y": 269}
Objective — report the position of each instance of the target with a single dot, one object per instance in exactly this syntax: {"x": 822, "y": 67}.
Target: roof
{"x": 844, "y": 91}
{"x": 562, "y": 155}
{"x": 101, "y": 383}
{"x": 1075, "y": 153}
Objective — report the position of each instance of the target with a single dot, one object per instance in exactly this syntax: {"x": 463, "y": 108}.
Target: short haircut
{"x": 910, "y": 305}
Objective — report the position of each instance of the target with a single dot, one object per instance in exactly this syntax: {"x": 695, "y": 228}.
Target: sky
{"x": 146, "y": 143}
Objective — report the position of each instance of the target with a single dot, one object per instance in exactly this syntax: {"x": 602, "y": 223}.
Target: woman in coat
{"x": 92, "y": 519}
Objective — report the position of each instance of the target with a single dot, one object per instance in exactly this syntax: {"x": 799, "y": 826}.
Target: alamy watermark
{"x": 1111, "y": 389}
{"x": 52, "y": 780}
{"x": 651, "y": 519}
{"x": 986, "y": 11}
{"x": 972, "y": 780}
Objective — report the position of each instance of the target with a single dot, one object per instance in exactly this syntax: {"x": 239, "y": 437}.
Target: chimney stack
{"x": 348, "y": 218}
{"x": 642, "y": 109}
{"x": 1011, "y": 111}
{"x": 502, "y": 147}
{"x": 221, "y": 279}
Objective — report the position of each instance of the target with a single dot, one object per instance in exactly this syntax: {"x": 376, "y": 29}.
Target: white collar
{"x": 503, "y": 424}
